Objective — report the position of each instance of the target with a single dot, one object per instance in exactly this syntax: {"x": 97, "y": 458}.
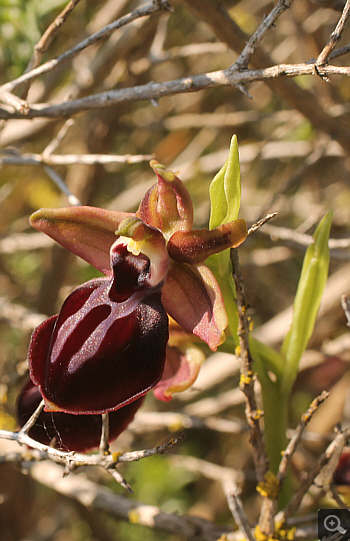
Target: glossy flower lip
{"x": 106, "y": 347}
{"x": 70, "y": 432}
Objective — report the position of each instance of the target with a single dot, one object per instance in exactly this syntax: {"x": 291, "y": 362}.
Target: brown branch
{"x": 71, "y": 459}
{"x": 340, "y": 52}
{"x": 94, "y": 38}
{"x": 261, "y": 222}
{"x": 46, "y": 39}
{"x": 155, "y": 91}
{"x": 228, "y": 31}
{"x": 254, "y": 42}
{"x": 72, "y": 199}
{"x": 324, "y": 55}
{"x": 253, "y": 413}
{"x": 97, "y": 497}
{"x": 296, "y": 438}
{"x": 236, "y": 508}
{"x": 45, "y": 158}
{"x": 335, "y": 447}
{"x": 55, "y": 142}
{"x": 268, "y": 510}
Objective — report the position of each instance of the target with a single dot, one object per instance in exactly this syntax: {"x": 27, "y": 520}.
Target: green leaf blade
{"x": 307, "y": 301}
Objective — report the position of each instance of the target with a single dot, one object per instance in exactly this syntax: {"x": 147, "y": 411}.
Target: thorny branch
{"x": 104, "y": 459}
{"x": 94, "y": 38}
{"x": 340, "y": 441}
{"x": 253, "y": 413}
{"x": 155, "y": 91}
{"x": 296, "y": 438}
{"x": 46, "y": 39}
{"x": 324, "y": 55}
{"x": 236, "y": 508}
{"x": 254, "y": 42}
{"x": 12, "y": 158}
{"x": 228, "y": 31}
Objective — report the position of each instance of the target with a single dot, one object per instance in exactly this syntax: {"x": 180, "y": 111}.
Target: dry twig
{"x": 324, "y": 55}
{"x": 155, "y": 91}
{"x": 94, "y": 38}
{"x": 228, "y": 31}
{"x": 336, "y": 447}
{"x": 301, "y": 239}
{"x": 261, "y": 222}
{"x": 254, "y": 42}
{"x": 296, "y": 438}
{"x": 46, "y": 39}
{"x": 236, "y": 508}
{"x": 253, "y": 413}
{"x": 46, "y": 158}
{"x": 72, "y": 459}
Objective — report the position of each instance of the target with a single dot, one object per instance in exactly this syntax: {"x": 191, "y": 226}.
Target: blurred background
{"x": 293, "y": 153}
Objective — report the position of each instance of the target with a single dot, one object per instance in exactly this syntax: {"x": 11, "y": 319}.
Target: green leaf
{"x": 307, "y": 301}
{"x": 225, "y": 190}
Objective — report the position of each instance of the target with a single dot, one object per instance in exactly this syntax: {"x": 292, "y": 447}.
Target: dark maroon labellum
{"x": 107, "y": 345}
{"x": 70, "y": 432}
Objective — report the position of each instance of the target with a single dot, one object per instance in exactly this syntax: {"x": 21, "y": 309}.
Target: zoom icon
{"x": 332, "y": 522}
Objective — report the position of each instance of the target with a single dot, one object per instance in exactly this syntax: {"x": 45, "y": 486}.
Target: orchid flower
{"x": 107, "y": 346}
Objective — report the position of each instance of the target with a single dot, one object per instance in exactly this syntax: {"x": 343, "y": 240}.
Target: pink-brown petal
{"x": 192, "y": 297}
{"x": 88, "y": 232}
{"x": 167, "y": 205}
{"x": 196, "y": 245}
{"x": 182, "y": 365}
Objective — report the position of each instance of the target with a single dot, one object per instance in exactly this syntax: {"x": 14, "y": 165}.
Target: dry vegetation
{"x": 175, "y": 83}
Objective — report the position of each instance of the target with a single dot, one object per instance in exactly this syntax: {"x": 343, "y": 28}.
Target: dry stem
{"x": 155, "y": 91}
{"x": 254, "y": 42}
{"x": 94, "y": 38}
{"x": 336, "y": 447}
{"x": 335, "y": 36}
{"x": 72, "y": 459}
{"x": 253, "y": 413}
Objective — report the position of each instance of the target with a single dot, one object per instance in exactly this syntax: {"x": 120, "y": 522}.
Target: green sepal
{"x": 225, "y": 190}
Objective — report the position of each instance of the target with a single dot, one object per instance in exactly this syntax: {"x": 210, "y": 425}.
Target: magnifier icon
{"x": 332, "y": 524}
